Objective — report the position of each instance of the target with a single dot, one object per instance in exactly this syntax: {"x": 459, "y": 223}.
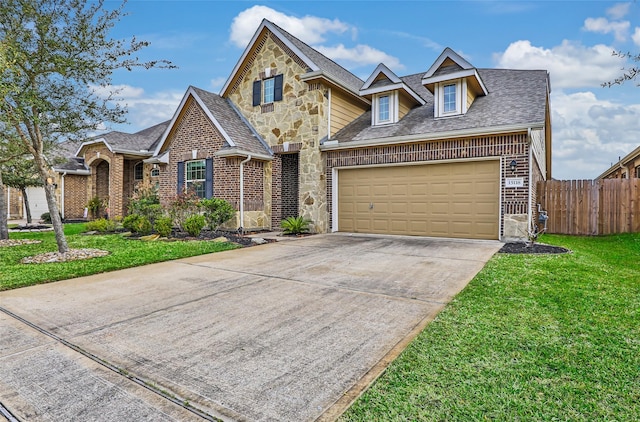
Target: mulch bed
{"x": 17, "y": 242}
{"x": 537, "y": 248}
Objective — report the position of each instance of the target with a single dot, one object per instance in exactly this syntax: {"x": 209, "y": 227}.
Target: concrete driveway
{"x": 289, "y": 331}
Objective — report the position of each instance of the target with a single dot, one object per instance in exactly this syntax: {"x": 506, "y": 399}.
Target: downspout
{"x": 529, "y": 210}
{"x": 242, "y": 163}
{"x": 62, "y": 194}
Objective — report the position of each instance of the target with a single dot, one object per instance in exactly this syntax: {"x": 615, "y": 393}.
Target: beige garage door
{"x": 444, "y": 200}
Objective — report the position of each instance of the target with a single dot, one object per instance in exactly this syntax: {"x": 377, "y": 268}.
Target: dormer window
{"x": 448, "y": 96}
{"x": 385, "y": 108}
{"x": 449, "y": 100}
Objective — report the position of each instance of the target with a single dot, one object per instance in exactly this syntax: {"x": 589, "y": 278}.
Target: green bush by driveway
{"x": 124, "y": 253}
{"x": 553, "y": 337}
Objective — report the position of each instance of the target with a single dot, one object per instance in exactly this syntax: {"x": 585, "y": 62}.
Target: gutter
{"x": 403, "y": 139}
{"x": 235, "y": 152}
{"x": 74, "y": 172}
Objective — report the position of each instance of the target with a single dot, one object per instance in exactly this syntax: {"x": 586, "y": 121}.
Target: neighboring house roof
{"x": 633, "y": 155}
{"x": 241, "y": 139}
{"x": 517, "y": 99}
{"x": 315, "y": 61}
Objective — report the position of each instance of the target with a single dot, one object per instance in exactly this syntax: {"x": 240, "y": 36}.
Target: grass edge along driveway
{"x": 123, "y": 253}
{"x": 553, "y": 337}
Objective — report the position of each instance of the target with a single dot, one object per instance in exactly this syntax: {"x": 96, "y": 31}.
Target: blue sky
{"x": 573, "y": 40}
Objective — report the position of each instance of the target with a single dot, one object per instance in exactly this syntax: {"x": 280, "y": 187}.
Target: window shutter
{"x": 277, "y": 88}
{"x": 180, "y": 177}
{"x": 208, "y": 184}
{"x": 257, "y": 92}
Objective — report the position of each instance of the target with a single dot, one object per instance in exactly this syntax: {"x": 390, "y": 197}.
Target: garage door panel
{"x": 450, "y": 199}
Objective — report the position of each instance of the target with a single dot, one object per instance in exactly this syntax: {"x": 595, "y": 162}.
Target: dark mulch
{"x": 537, "y": 248}
{"x": 30, "y": 227}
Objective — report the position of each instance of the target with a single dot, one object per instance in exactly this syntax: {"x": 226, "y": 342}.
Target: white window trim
{"x": 273, "y": 90}
{"x": 393, "y": 108}
{"x": 461, "y": 98}
{"x": 188, "y": 182}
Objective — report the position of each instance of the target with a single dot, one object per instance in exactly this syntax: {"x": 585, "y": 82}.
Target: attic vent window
{"x": 267, "y": 91}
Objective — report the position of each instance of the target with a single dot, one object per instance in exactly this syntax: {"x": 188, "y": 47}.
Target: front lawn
{"x": 124, "y": 253}
{"x": 553, "y": 337}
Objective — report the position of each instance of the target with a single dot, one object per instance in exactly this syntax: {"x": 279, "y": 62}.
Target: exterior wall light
{"x": 513, "y": 165}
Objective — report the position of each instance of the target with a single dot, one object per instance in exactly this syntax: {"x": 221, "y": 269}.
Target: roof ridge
{"x": 288, "y": 34}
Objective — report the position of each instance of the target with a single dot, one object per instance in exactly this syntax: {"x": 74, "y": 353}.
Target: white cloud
{"x": 216, "y": 83}
{"x": 143, "y": 110}
{"x": 360, "y": 55}
{"x": 604, "y": 26}
{"x": 590, "y": 133}
{"x": 570, "y": 64}
{"x": 310, "y": 29}
{"x": 619, "y": 10}
{"x": 636, "y": 36}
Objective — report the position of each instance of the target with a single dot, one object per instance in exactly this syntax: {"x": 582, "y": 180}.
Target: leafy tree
{"x": 10, "y": 150}
{"x": 55, "y": 57}
{"x": 21, "y": 173}
{"x": 629, "y": 74}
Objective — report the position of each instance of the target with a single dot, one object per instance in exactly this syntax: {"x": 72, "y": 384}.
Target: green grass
{"x": 124, "y": 253}
{"x": 554, "y": 337}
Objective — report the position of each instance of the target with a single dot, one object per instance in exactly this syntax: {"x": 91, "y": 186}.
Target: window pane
{"x": 137, "y": 171}
{"x": 197, "y": 188}
{"x": 383, "y": 108}
{"x": 268, "y": 91}
{"x": 195, "y": 170}
{"x": 449, "y": 102}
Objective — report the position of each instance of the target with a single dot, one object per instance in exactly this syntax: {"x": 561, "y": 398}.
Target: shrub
{"x": 295, "y": 225}
{"x": 146, "y": 202}
{"x": 96, "y": 206}
{"x": 137, "y": 224}
{"x": 194, "y": 224}
{"x": 217, "y": 212}
{"x": 183, "y": 206}
{"x": 101, "y": 225}
{"x": 46, "y": 217}
{"x": 163, "y": 226}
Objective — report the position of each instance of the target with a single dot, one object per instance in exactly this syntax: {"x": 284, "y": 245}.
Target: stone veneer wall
{"x": 194, "y": 131}
{"x": 508, "y": 147}
{"x": 299, "y": 118}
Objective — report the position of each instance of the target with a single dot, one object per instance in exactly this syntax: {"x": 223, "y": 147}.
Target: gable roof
{"x": 139, "y": 143}
{"x": 389, "y": 81}
{"x": 517, "y": 101}
{"x": 316, "y": 62}
{"x": 450, "y": 65}
{"x": 235, "y": 130}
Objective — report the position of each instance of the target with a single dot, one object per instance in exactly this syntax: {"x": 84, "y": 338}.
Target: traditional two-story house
{"x": 453, "y": 151}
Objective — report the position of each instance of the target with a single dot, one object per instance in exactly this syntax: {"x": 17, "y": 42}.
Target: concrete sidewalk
{"x": 288, "y": 331}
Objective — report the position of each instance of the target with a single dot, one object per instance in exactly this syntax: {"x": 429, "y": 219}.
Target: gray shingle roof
{"x": 324, "y": 63}
{"x": 516, "y": 97}
{"x": 233, "y": 123}
{"x": 73, "y": 164}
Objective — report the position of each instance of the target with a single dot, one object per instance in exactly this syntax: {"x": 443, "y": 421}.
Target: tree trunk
{"x": 4, "y": 229}
{"x": 49, "y": 191}
{"x": 25, "y": 198}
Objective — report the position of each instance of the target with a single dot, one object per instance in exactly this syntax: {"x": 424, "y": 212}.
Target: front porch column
{"x": 116, "y": 187}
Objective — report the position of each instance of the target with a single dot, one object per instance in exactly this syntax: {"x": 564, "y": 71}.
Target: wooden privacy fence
{"x": 591, "y": 207}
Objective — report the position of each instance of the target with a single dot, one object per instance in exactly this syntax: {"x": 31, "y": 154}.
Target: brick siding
{"x": 75, "y": 196}
{"x": 508, "y": 147}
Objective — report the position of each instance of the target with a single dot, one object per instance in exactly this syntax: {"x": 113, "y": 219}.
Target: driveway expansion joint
{"x": 184, "y": 403}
